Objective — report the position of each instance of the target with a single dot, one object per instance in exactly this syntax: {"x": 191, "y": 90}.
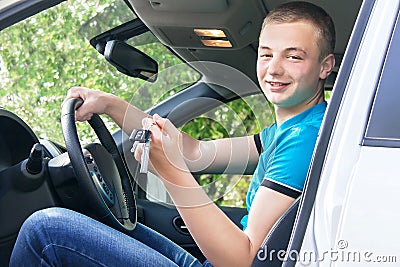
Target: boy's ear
{"x": 327, "y": 65}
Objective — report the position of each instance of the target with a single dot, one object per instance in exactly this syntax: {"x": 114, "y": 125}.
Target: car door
{"x": 349, "y": 207}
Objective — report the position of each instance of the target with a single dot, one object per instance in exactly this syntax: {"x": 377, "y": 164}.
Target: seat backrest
{"x": 273, "y": 249}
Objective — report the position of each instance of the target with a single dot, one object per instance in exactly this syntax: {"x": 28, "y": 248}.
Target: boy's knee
{"x": 43, "y": 219}
{"x": 41, "y": 215}
{"x": 37, "y": 231}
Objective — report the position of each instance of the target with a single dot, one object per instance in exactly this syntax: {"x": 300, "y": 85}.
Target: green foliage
{"x": 45, "y": 55}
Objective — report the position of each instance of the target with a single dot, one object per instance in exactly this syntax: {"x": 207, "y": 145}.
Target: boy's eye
{"x": 266, "y": 55}
{"x": 294, "y": 57}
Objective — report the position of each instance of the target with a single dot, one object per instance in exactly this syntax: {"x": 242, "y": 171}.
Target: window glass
{"x": 384, "y": 125}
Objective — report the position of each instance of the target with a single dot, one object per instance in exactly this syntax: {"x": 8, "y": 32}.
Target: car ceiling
{"x": 6, "y": 4}
{"x": 174, "y": 21}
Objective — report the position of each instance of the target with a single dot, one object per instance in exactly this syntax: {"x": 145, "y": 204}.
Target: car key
{"x": 139, "y": 136}
{"x": 144, "y": 159}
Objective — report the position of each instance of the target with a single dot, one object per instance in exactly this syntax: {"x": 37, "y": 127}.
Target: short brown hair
{"x": 305, "y": 11}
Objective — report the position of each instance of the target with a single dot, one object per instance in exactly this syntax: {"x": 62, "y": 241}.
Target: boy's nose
{"x": 274, "y": 67}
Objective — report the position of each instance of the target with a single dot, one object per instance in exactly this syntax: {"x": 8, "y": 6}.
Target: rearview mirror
{"x": 131, "y": 61}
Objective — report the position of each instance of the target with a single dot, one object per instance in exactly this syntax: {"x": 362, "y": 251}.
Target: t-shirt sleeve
{"x": 287, "y": 167}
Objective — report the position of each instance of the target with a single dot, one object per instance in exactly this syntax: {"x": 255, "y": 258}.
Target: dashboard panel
{"x": 16, "y": 139}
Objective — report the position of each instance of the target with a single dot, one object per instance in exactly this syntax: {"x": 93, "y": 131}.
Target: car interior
{"x": 216, "y": 38}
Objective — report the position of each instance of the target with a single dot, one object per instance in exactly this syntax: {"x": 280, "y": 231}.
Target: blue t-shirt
{"x": 286, "y": 154}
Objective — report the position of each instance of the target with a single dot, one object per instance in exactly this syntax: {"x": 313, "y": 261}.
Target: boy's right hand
{"x": 95, "y": 101}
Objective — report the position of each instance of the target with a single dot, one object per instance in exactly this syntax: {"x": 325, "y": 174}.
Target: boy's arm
{"x": 235, "y": 155}
{"x": 221, "y": 241}
{"x": 230, "y": 155}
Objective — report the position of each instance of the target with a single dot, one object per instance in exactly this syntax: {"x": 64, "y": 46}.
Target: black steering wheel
{"x": 100, "y": 170}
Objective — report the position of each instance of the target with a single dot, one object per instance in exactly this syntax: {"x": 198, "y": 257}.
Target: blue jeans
{"x": 61, "y": 237}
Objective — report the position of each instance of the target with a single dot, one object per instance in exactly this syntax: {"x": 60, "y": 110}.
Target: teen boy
{"x": 295, "y": 56}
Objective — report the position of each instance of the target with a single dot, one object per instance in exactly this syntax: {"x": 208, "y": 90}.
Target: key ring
{"x": 151, "y": 125}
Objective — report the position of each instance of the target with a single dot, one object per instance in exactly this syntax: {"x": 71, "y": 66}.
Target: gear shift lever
{"x": 34, "y": 164}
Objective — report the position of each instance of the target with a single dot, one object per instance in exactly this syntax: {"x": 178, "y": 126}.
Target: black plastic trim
{"x": 317, "y": 162}
{"x": 196, "y": 91}
{"x": 23, "y": 10}
{"x": 376, "y": 142}
{"x": 123, "y": 32}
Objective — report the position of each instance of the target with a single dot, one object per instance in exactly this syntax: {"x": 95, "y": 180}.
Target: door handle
{"x": 180, "y": 225}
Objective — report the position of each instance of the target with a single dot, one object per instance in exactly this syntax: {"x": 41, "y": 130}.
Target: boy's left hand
{"x": 166, "y": 151}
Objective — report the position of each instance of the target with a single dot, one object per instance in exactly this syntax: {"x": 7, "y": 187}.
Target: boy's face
{"x": 288, "y": 65}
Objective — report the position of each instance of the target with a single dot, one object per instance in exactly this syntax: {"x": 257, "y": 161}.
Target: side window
{"x": 384, "y": 125}
{"x": 240, "y": 117}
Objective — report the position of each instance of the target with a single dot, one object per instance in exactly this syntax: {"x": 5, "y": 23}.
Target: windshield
{"x": 45, "y": 55}
{"x": 108, "y": 17}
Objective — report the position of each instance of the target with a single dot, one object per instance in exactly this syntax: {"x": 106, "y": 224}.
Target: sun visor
{"x": 202, "y": 24}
